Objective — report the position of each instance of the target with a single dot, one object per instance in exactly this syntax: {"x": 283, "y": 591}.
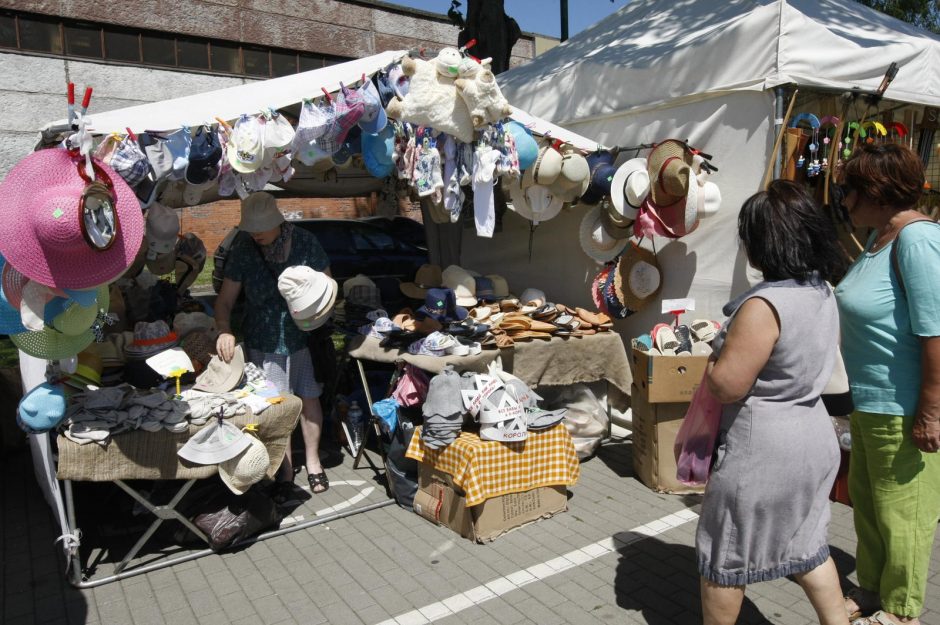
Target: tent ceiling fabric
{"x": 654, "y": 52}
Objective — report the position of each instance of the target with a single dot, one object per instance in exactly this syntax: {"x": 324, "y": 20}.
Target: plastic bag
{"x": 586, "y": 418}
{"x": 245, "y": 516}
{"x": 695, "y": 441}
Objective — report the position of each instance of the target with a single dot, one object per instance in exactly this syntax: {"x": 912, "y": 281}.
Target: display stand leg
{"x": 362, "y": 447}
{"x": 75, "y": 556}
{"x": 162, "y": 513}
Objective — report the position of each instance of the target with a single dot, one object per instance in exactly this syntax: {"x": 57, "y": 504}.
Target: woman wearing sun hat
{"x": 264, "y": 248}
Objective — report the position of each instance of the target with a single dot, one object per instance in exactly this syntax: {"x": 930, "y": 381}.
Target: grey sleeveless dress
{"x": 765, "y": 513}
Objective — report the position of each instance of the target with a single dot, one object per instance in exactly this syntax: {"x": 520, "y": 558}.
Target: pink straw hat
{"x": 41, "y": 231}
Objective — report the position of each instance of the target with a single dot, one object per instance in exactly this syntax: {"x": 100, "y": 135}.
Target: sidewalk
{"x": 621, "y": 553}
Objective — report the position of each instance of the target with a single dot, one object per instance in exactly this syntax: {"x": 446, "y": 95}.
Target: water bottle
{"x": 356, "y": 424}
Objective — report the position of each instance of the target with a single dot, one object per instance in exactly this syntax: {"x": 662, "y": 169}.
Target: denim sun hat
{"x": 602, "y": 168}
{"x": 377, "y": 151}
{"x": 526, "y": 146}
{"x": 41, "y": 409}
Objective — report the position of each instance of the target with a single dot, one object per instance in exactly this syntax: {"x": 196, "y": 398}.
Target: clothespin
{"x": 130, "y": 133}
{"x": 363, "y": 79}
{"x": 468, "y": 45}
{"x": 71, "y": 97}
{"x": 329, "y": 98}
{"x": 86, "y": 100}
{"x": 252, "y": 428}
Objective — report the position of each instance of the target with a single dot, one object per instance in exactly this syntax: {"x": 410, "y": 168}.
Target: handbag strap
{"x": 895, "y": 264}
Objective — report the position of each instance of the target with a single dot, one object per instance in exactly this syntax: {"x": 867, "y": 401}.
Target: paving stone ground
{"x": 620, "y": 554}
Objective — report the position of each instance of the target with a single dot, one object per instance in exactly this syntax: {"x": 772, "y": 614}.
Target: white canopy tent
{"x": 706, "y": 72}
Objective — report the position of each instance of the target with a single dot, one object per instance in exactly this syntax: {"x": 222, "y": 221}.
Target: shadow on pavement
{"x": 660, "y": 580}
{"x": 33, "y": 585}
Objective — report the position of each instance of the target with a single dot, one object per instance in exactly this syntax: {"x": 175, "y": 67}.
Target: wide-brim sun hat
{"x": 247, "y": 468}
{"x": 574, "y": 178}
{"x": 547, "y": 165}
{"x": 618, "y": 187}
{"x": 220, "y": 376}
{"x": 596, "y": 241}
{"x": 639, "y": 279}
{"x": 43, "y": 231}
{"x": 215, "y": 443}
{"x": 669, "y": 166}
{"x": 427, "y": 277}
{"x": 679, "y": 218}
{"x": 50, "y": 344}
{"x": 534, "y": 202}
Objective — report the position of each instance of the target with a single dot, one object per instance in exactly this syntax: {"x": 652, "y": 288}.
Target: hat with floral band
{"x": 63, "y": 229}
{"x": 596, "y": 241}
{"x": 638, "y": 279}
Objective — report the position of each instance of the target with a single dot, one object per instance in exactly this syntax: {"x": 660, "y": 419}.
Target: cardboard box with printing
{"x": 439, "y": 501}
{"x": 654, "y": 435}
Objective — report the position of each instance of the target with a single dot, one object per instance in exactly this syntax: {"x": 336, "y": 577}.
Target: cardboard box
{"x": 667, "y": 379}
{"x": 439, "y": 501}
{"x": 654, "y": 434}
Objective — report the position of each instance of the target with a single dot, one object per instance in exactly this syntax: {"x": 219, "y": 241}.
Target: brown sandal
{"x": 318, "y": 481}
{"x": 865, "y": 605}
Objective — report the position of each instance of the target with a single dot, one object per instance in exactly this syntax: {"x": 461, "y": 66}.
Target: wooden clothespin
{"x": 223, "y": 123}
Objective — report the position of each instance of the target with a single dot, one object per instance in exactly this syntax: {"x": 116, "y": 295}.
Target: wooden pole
{"x": 783, "y": 130}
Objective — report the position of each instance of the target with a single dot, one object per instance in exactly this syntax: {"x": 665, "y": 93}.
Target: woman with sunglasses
{"x": 889, "y": 303}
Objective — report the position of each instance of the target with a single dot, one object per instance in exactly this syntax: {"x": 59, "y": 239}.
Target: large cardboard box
{"x": 439, "y": 501}
{"x": 667, "y": 379}
{"x": 654, "y": 435}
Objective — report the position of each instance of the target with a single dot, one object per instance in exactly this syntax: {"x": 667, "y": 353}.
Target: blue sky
{"x": 537, "y": 16}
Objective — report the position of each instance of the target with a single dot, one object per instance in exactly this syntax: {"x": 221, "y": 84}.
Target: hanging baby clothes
{"x": 484, "y": 208}
{"x": 428, "y": 179}
{"x": 453, "y": 193}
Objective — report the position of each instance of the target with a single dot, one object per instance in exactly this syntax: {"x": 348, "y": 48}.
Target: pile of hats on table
{"x": 693, "y": 339}
{"x": 500, "y": 404}
{"x": 462, "y": 313}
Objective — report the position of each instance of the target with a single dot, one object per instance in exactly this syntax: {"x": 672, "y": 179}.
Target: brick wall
{"x": 211, "y": 222}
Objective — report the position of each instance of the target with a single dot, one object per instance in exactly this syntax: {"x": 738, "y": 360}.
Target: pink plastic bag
{"x": 695, "y": 441}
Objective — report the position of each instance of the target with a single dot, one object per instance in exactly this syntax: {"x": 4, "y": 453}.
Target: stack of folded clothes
{"x": 96, "y": 415}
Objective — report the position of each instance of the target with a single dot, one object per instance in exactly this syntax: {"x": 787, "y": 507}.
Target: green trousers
{"x": 895, "y": 491}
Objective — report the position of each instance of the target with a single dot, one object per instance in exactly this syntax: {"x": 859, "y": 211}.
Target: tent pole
{"x": 779, "y": 95}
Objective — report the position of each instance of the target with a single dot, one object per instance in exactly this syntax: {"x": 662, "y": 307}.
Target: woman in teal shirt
{"x": 890, "y": 318}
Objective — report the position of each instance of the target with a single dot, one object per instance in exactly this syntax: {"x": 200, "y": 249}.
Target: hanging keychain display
{"x": 813, "y": 166}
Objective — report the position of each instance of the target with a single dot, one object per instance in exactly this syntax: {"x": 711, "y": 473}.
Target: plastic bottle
{"x": 355, "y": 419}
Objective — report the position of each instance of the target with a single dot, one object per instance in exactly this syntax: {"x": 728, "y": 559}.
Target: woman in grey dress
{"x": 766, "y": 509}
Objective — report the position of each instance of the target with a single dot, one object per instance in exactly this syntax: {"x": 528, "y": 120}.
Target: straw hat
{"x": 638, "y": 278}
{"x": 596, "y": 241}
{"x": 41, "y": 226}
{"x": 427, "y": 277}
{"x": 247, "y": 468}
{"x": 670, "y": 170}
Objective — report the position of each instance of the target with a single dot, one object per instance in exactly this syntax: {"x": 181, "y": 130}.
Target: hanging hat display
{"x": 595, "y": 240}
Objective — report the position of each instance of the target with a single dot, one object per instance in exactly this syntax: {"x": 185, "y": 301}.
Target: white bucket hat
{"x": 260, "y": 213}
{"x": 214, "y": 443}
{"x": 596, "y": 241}
{"x": 462, "y": 283}
{"x": 310, "y": 295}
{"x": 247, "y": 468}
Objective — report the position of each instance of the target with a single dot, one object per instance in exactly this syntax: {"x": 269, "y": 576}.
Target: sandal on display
{"x": 665, "y": 339}
{"x": 860, "y": 602}
{"x": 319, "y": 483}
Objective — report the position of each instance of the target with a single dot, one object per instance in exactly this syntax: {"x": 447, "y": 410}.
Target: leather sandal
{"x": 866, "y": 603}
{"x": 318, "y": 481}
{"x": 881, "y": 618}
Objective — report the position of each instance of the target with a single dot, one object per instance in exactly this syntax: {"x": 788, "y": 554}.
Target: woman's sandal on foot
{"x": 866, "y": 603}
{"x": 881, "y": 618}
{"x": 319, "y": 483}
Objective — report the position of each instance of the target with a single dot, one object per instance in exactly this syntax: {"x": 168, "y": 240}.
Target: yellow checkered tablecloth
{"x": 485, "y": 469}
